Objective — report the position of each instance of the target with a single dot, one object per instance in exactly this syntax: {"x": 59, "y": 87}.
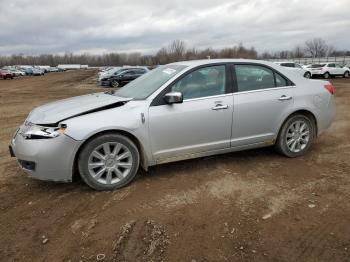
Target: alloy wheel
{"x": 115, "y": 83}
{"x": 298, "y": 136}
{"x": 110, "y": 163}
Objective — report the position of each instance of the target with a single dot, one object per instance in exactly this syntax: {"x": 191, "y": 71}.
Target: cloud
{"x": 45, "y": 26}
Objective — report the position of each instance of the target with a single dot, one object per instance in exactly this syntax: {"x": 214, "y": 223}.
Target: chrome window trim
{"x": 265, "y": 89}
{"x": 207, "y": 97}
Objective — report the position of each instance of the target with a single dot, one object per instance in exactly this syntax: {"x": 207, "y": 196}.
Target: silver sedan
{"x": 178, "y": 111}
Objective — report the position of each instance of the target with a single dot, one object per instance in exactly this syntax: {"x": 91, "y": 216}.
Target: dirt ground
{"x": 247, "y": 206}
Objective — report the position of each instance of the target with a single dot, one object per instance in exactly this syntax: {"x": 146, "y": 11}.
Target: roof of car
{"x": 214, "y": 61}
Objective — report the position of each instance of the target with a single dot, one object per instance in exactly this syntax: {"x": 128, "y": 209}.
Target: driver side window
{"x": 203, "y": 82}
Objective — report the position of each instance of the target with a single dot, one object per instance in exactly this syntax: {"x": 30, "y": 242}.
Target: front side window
{"x": 255, "y": 77}
{"x": 331, "y": 65}
{"x": 203, "y": 82}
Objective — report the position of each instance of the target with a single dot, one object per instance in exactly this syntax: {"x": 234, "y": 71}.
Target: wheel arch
{"x": 133, "y": 138}
{"x": 305, "y": 112}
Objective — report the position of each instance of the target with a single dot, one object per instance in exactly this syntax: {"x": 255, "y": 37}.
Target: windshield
{"x": 144, "y": 86}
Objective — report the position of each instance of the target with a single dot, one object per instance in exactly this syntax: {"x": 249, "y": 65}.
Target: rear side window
{"x": 255, "y": 77}
{"x": 280, "y": 80}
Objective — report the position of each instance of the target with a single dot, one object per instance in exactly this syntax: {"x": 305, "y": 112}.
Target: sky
{"x": 34, "y": 27}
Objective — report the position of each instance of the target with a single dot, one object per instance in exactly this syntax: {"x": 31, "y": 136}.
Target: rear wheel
{"x": 346, "y": 74}
{"x": 115, "y": 84}
{"x": 307, "y": 75}
{"x": 326, "y": 75}
{"x": 296, "y": 136}
{"x": 108, "y": 162}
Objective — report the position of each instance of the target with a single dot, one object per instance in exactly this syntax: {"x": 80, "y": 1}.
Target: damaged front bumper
{"x": 46, "y": 159}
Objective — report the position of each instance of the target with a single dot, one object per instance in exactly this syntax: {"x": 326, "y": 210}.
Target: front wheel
{"x": 307, "y": 75}
{"x": 346, "y": 74}
{"x": 296, "y": 136}
{"x": 108, "y": 162}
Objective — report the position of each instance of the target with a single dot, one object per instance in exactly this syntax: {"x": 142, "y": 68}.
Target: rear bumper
{"x": 46, "y": 159}
{"x": 328, "y": 115}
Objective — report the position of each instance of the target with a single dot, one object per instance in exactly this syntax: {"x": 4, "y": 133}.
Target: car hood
{"x": 53, "y": 113}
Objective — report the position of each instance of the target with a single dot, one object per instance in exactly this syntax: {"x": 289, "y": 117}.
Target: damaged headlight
{"x": 32, "y": 131}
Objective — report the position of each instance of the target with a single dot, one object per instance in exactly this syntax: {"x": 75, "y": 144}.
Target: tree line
{"x": 175, "y": 51}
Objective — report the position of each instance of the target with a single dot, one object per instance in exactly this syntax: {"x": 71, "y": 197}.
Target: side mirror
{"x": 173, "y": 98}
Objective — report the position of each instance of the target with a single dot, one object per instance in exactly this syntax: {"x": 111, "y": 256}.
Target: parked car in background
{"x": 37, "y": 72}
{"x": 105, "y": 79}
{"x": 69, "y": 66}
{"x": 6, "y": 74}
{"x": 178, "y": 111}
{"x": 297, "y": 68}
{"x": 126, "y": 76}
{"x": 329, "y": 70}
{"x": 17, "y": 72}
{"x": 27, "y": 70}
{"x": 52, "y": 69}
{"x": 108, "y": 72}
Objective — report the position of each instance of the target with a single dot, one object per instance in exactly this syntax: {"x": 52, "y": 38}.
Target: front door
{"x": 201, "y": 123}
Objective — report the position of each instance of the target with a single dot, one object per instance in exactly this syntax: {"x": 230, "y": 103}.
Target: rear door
{"x": 262, "y": 99}
{"x": 331, "y": 69}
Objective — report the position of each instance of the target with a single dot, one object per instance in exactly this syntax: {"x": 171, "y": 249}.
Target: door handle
{"x": 219, "y": 107}
{"x": 284, "y": 98}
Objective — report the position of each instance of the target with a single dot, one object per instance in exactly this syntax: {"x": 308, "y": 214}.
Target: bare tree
{"x": 316, "y": 47}
{"x": 298, "y": 52}
{"x": 177, "y": 50}
{"x": 162, "y": 56}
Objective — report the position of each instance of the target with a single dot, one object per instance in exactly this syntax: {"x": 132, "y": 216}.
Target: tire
{"x": 108, "y": 173}
{"x": 286, "y": 136}
{"x": 327, "y": 75}
{"x": 115, "y": 84}
{"x": 346, "y": 74}
{"x": 307, "y": 75}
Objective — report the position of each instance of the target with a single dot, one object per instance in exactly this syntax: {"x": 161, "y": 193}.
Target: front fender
{"x": 126, "y": 118}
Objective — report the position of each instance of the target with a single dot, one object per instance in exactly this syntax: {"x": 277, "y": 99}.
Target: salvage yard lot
{"x": 246, "y": 206}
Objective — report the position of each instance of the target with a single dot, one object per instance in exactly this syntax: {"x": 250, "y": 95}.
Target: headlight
{"x": 33, "y": 131}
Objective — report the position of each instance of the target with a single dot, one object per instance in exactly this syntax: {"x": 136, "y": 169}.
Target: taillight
{"x": 330, "y": 88}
